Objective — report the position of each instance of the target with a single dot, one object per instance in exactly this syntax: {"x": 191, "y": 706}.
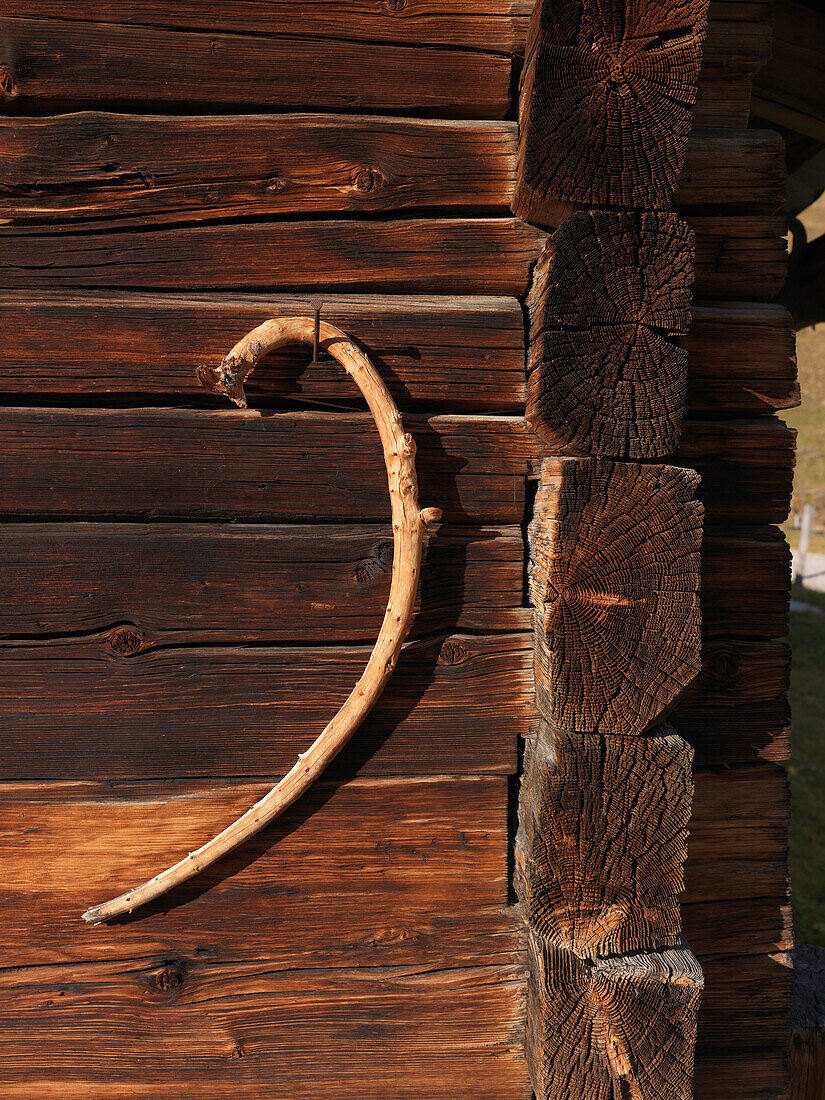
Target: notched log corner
{"x": 616, "y": 1027}
{"x": 609, "y": 295}
{"x": 606, "y": 105}
{"x": 614, "y": 581}
{"x": 602, "y": 841}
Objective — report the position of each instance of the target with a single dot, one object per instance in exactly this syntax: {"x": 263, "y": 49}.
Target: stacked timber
{"x": 614, "y": 360}
{"x": 189, "y": 592}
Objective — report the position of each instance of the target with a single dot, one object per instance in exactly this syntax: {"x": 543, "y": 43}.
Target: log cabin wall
{"x": 190, "y": 591}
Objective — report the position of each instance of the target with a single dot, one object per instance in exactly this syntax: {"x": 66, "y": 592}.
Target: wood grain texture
{"x": 430, "y": 256}
{"x": 787, "y": 90}
{"x": 264, "y": 466}
{"x": 614, "y": 579}
{"x": 414, "y": 871}
{"x": 618, "y": 1026}
{"x": 605, "y": 105}
{"x": 736, "y": 257}
{"x": 746, "y": 574}
{"x": 71, "y": 64}
{"x": 258, "y": 1030}
{"x": 102, "y": 706}
{"x": 741, "y": 359}
{"x": 746, "y": 467}
{"x": 196, "y": 585}
{"x": 92, "y": 165}
{"x": 449, "y": 351}
{"x": 603, "y": 826}
{"x": 194, "y": 168}
{"x": 233, "y": 464}
{"x": 604, "y": 374}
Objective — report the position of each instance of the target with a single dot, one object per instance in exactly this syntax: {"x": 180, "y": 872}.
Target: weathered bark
{"x": 614, "y": 578}
{"x": 606, "y": 105}
{"x": 603, "y": 839}
{"x": 608, "y": 293}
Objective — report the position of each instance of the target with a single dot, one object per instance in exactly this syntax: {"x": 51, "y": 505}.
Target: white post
{"x": 801, "y": 557}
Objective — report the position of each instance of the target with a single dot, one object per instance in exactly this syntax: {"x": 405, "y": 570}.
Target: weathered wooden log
{"x": 455, "y": 705}
{"x": 605, "y": 107}
{"x": 171, "y": 463}
{"x": 736, "y": 257}
{"x": 608, "y": 294}
{"x": 411, "y": 871}
{"x": 462, "y": 353}
{"x": 745, "y": 582}
{"x": 196, "y": 584}
{"x": 602, "y": 840}
{"x": 614, "y": 579}
{"x": 621, "y": 1026}
{"x": 146, "y": 66}
{"x": 150, "y": 1023}
{"x": 194, "y": 168}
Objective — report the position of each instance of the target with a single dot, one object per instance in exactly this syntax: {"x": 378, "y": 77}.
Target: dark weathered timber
{"x": 739, "y": 734}
{"x": 740, "y": 257}
{"x": 723, "y": 103}
{"x": 614, "y": 579}
{"x": 605, "y": 105}
{"x": 198, "y": 167}
{"x": 736, "y": 257}
{"x": 746, "y": 574}
{"x": 746, "y": 467}
{"x": 231, "y": 464}
{"x": 788, "y": 91}
{"x": 265, "y": 466}
{"x": 451, "y": 351}
{"x": 735, "y": 672}
{"x": 742, "y": 171}
{"x": 437, "y": 255}
{"x": 603, "y": 826}
{"x": 622, "y": 1026}
{"x": 741, "y": 359}
{"x": 262, "y": 1031}
{"x": 47, "y": 63}
{"x": 605, "y": 376}
{"x": 743, "y": 1028}
{"x": 100, "y": 706}
{"x": 480, "y": 24}
{"x": 88, "y": 165}
{"x": 408, "y": 871}
{"x": 740, "y": 813}
{"x": 194, "y": 584}
{"x": 461, "y": 353}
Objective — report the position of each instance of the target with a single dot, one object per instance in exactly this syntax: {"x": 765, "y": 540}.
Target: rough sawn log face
{"x": 606, "y": 104}
{"x": 609, "y": 292}
{"x": 614, "y": 579}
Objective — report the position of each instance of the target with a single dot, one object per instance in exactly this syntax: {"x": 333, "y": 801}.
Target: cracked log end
{"x": 614, "y": 580}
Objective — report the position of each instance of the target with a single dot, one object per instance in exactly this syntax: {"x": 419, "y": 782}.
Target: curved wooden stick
{"x": 408, "y": 524}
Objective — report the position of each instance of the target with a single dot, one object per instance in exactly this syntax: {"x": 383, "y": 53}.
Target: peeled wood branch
{"x": 409, "y": 523}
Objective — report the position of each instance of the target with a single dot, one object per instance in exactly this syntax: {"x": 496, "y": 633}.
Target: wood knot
{"x": 395, "y": 5}
{"x": 452, "y": 653}
{"x": 167, "y": 978}
{"x": 7, "y": 85}
{"x": 379, "y": 563}
{"x": 724, "y": 666}
{"x": 368, "y": 180}
{"x": 276, "y": 185}
{"x": 123, "y": 641}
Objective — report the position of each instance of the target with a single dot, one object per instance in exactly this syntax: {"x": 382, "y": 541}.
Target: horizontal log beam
{"x": 198, "y": 584}
{"x": 736, "y": 257}
{"x": 164, "y": 463}
{"x": 409, "y": 871}
{"x": 99, "y": 706}
{"x": 745, "y": 583}
{"x": 461, "y": 353}
{"x": 150, "y": 1023}
{"x": 206, "y": 167}
{"x": 146, "y": 66}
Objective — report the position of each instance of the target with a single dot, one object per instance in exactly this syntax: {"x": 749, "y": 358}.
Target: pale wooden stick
{"x": 408, "y": 524}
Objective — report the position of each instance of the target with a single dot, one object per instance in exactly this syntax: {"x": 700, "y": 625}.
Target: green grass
{"x": 807, "y": 770}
